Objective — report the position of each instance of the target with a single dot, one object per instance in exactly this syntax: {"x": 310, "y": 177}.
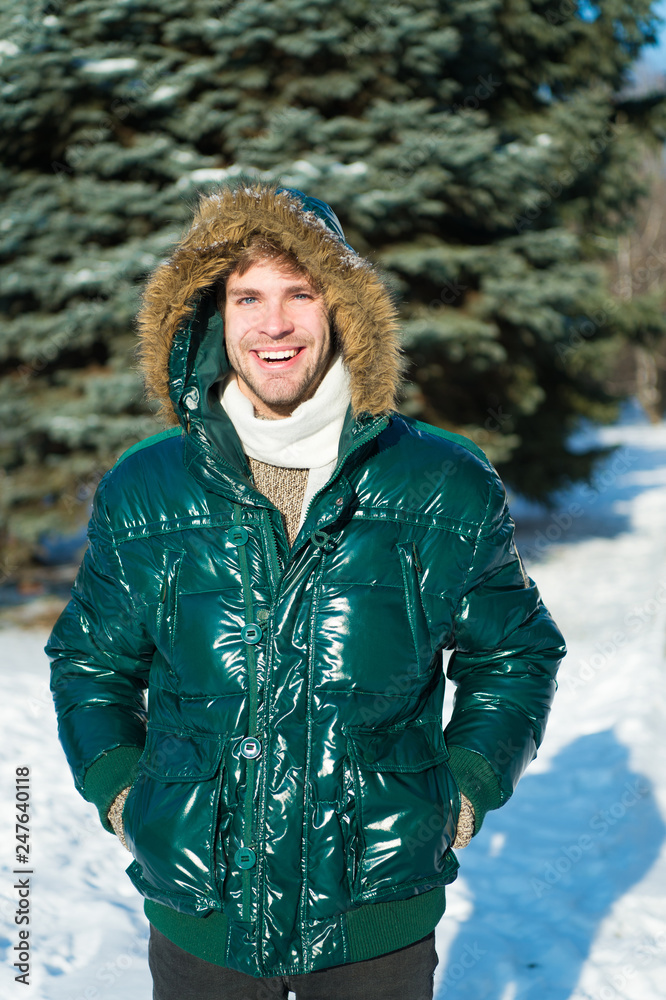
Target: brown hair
{"x": 259, "y": 250}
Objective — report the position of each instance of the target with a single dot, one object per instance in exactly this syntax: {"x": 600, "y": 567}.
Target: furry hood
{"x": 360, "y": 307}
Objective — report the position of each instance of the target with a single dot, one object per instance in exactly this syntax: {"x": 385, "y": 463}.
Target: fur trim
{"x": 359, "y": 304}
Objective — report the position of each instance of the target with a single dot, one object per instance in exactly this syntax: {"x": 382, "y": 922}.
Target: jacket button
{"x": 237, "y": 535}
{"x": 251, "y": 634}
{"x": 250, "y": 747}
{"x": 245, "y": 857}
{"x": 369, "y": 757}
{"x": 339, "y": 502}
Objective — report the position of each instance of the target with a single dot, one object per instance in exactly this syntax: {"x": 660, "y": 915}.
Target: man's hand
{"x": 465, "y": 828}
{"x": 116, "y": 816}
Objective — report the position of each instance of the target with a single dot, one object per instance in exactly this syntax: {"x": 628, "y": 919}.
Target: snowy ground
{"x": 563, "y": 894}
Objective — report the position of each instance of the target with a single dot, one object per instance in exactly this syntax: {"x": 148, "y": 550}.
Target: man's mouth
{"x": 274, "y": 357}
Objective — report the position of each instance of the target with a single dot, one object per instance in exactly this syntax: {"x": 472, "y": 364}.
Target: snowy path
{"x": 563, "y": 894}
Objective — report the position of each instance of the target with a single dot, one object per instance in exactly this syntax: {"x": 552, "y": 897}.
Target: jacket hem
{"x": 377, "y": 928}
{"x": 370, "y": 931}
{"x": 203, "y": 937}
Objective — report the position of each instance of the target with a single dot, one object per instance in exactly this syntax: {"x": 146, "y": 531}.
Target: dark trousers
{"x": 405, "y": 974}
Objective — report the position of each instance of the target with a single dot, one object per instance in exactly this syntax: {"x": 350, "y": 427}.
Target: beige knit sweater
{"x": 285, "y": 488}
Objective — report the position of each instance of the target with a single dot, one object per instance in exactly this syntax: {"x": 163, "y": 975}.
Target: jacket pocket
{"x": 410, "y": 565}
{"x": 171, "y": 821}
{"x": 405, "y": 810}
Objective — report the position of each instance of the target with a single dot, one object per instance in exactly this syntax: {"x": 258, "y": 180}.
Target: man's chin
{"x": 282, "y": 405}
{"x": 278, "y": 392}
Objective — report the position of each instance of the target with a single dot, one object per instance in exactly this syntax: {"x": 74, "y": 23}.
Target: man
{"x": 280, "y": 571}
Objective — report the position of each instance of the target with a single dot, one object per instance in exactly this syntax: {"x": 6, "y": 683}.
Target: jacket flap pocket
{"x": 411, "y": 747}
{"x": 181, "y": 757}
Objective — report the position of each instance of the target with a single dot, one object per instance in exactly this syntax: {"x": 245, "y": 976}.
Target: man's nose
{"x": 275, "y": 321}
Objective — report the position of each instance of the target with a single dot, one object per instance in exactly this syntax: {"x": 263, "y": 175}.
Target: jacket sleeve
{"x": 100, "y": 657}
{"x": 507, "y": 649}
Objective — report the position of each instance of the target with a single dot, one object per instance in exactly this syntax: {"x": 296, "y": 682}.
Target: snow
{"x": 8, "y": 48}
{"x": 562, "y": 894}
{"x": 305, "y": 168}
{"x": 118, "y": 65}
{"x": 355, "y": 169}
{"x": 81, "y": 277}
{"x": 206, "y": 174}
{"x": 182, "y": 155}
{"x": 163, "y": 93}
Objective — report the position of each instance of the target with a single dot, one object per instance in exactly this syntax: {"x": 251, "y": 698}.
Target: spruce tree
{"x": 483, "y": 154}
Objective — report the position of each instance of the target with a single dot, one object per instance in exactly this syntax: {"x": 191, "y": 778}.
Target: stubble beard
{"x": 280, "y": 392}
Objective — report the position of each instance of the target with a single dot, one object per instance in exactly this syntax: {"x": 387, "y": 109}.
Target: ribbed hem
{"x": 107, "y": 777}
{"x": 377, "y": 928}
{"x": 371, "y": 930}
{"x": 477, "y": 780}
{"x": 203, "y": 937}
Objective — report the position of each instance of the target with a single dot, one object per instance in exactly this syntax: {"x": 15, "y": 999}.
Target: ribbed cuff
{"x": 476, "y": 780}
{"x": 107, "y": 777}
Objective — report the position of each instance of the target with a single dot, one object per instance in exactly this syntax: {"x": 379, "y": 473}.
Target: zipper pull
{"x": 322, "y": 540}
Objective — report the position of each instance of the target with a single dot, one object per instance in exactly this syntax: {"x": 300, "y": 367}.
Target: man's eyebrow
{"x": 236, "y": 290}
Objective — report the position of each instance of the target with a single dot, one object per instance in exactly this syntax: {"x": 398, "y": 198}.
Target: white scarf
{"x": 308, "y": 439}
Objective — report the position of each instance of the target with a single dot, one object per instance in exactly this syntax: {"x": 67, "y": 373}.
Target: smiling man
{"x": 281, "y": 571}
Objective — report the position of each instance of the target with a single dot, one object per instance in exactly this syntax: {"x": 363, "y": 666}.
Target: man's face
{"x": 277, "y": 336}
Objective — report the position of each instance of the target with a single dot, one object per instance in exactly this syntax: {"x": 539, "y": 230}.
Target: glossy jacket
{"x": 294, "y": 765}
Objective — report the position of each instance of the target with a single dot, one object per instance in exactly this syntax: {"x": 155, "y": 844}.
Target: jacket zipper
{"x": 169, "y": 598}
{"x": 410, "y": 565}
{"x": 274, "y": 555}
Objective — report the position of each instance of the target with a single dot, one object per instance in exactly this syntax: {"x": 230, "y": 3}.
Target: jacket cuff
{"x": 108, "y": 776}
{"x": 476, "y": 780}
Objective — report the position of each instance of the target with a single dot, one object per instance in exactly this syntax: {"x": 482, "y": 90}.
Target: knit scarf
{"x": 308, "y": 439}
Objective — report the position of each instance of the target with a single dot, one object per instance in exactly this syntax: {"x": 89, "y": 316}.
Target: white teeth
{"x": 276, "y": 355}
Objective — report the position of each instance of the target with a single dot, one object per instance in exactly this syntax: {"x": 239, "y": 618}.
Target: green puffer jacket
{"x": 291, "y": 782}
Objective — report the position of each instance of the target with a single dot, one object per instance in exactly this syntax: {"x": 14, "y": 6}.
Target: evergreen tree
{"x": 481, "y": 153}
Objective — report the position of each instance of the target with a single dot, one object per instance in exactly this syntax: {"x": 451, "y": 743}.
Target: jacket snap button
{"x": 340, "y": 501}
{"x": 369, "y": 757}
{"x": 245, "y": 857}
{"x": 238, "y": 535}
{"x": 251, "y": 634}
{"x": 250, "y": 747}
